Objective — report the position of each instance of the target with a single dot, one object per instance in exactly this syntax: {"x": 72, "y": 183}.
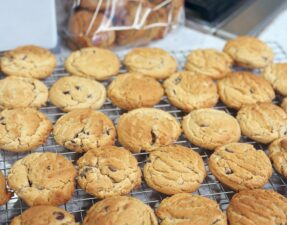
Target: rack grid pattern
{"x": 81, "y": 201}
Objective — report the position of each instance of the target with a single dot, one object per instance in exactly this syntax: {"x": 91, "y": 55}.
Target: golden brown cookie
{"x": 257, "y": 207}
{"x": 84, "y": 129}
{"x": 133, "y": 90}
{"x": 210, "y": 128}
{"x": 240, "y": 166}
{"x": 188, "y": 91}
{"x": 44, "y": 215}
{"x": 263, "y": 122}
{"x": 187, "y": 209}
{"x": 174, "y": 169}
{"x": 209, "y": 62}
{"x": 278, "y": 155}
{"x": 284, "y": 104}
{"x": 120, "y": 210}
{"x": 146, "y": 129}
{"x": 21, "y": 92}
{"x": 243, "y": 88}
{"x": 43, "y": 179}
{"x": 4, "y": 194}
{"x": 94, "y": 4}
{"x": 153, "y": 62}
{"x": 23, "y": 129}
{"x": 85, "y": 30}
{"x": 276, "y": 75}
{"x": 158, "y": 23}
{"x": 249, "y": 52}
{"x": 108, "y": 171}
{"x": 74, "y": 92}
{"x": 96, "y": 63}
{"x": 28, "y": 61}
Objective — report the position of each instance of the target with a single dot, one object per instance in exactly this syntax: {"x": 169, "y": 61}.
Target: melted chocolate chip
{"x": 228, "y": 171}
{"x": 113, "y": 169}
{"x": 58, "y": 215}
{"x": 77, "y": 87}
{"x": 153, "y": 137}
{"x": 228, "y": 150}
{"x": 66, "y": 92}
{"x": 89, "y": 96}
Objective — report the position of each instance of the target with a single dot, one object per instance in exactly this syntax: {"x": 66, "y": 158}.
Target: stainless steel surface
{"x": 81, "y": 201}
{"x": 249, "y": 18}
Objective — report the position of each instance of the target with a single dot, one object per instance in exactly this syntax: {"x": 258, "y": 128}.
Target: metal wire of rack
{"x": 81, "y": 201}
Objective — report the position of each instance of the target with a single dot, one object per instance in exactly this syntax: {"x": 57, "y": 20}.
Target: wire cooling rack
{"x": 81, "y": 201}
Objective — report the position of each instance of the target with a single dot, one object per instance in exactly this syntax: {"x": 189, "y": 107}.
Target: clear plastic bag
{"x": 110, "y": 23}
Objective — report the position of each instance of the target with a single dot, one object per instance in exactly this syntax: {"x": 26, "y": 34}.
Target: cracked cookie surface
{"x": 84, "y": 129}
{"x": 120, "y": 210}
{"x": 263, "y": 122}
{"x": 153, "y": 62}
{"x": 276, "y": 75}
{"x": 73, "y": 92}
{"x": 96, "y": 63}
{"x": 44, "y": 215}
{"x": 209, "y": 62}
{"x": 249, "y": 52}
{"x": 188, "y": 91}
{"x": 145, "y": 129}
{"x": 186, "y": 209}
{"x": 108, "y": 171}
{"x": 257, "y": 207}
{"x": 174, "y": 169}
{"x": 23, "y": 129}
{"x": 21, "y": 92}
{"x": 43, "y": 179}
{"x": 240, "y": 166}
{"x": 28, "y": 61}
{"x": 278, "y": 155}
{"x": 210, "y": 128}
{"x": 133, "y": 90}
{"x": 243, "y": 88}
{"x": 4, "y": 194}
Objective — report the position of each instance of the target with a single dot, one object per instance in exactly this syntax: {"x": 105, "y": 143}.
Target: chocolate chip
{"x": 174, "y": 92}
{"x": 177, "y": 80}
{"x": 228, "y": 171}
{"x": 77, "y": 87}
{"x": 228, "y": 150}
{"x": 106, "y": 209}
{"x": 203, "y": 125}
{"x": 48, "y": 167}
{"x": 66, "y": 92}
{"x": 24, "y": 57}
{"x": 59, "y": 215}
{"x": 89, "y": 96}
{"x": 153, "y": 137}
{"x": 113, "y": 169}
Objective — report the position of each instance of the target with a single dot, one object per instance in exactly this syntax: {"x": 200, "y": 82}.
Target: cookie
{"x": 84, "y": 129}
{"x": 108, "y": 171}
{"x": 276, "y": 75}
{"x": 243, "y": 88}
{"x": 188, "y": 91}
{"x": 23, "y": 129}
{"x": 4, "y": 194}
{"x": 249, "y": 52}
{"x": 120, "y": 210}
{"x": 28, "y": 61}
{"x": 21, "y": 92}
{"x": 153, "y": 62}
{"x": 74, "y": 92}
{"x": 87, "y": 31}
{"x": 209, "y": 62}
{"x": 278, "y": 155}
{"x": 146, "y": 129}
{"x": 181, "y": 209}
{"x": 284, "y": 104}
{"x": 263, "y": 122}
{"x": 240, "y": 166}
{"x": 158, "y": 23}
{"x": 44, "y": 215}
{"x": 133, "y": 90}
{"x": 258, "y": 207}
{"x": 210, "y": 128}
{"x": 93, "y": 4}
{"x": 96, "y": 63}
{"x": 174, "y": 169}
{"x": 43, "y": 179}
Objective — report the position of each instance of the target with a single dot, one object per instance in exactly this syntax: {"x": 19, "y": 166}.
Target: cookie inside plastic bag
{"x": 111, "y": 23}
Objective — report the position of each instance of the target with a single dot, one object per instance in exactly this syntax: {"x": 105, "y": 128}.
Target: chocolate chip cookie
{"x": 188, "y": 91}
{"x": 74, "y": 92}
{"x": 210, "y": 128}
{"x": 146, "y": 129}
{"x": 43, "y": 179}
{"x": 174, "y": 169}
{"x": 240, "y": 166}
{"x": 84, "y": 129}
{"x": 133, "y": 90}
{"x": 108, "y": 171}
